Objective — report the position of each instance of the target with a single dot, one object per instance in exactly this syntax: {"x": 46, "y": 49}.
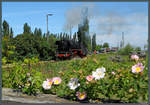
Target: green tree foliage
{"x": 106, "y": 45}
{"x": 30, "y": 45}
{"x": 138, "y": 49}
{"x": 7, "y": 48}
{"x": 61, "y": 35}
{"x": 94, "y": 42}
{"x": 75, "y": 37}
{"x": 98, "y": 47}
{"x": 126, "y": 50}
{"x": 11, "y": 33}
{"x": 26, "y": 29}
{"x": 5, "y": 28}
{"x": 83, "y": 31}
{"x": 38, "y": 32}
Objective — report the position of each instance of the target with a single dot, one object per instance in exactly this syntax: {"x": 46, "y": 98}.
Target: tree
{"x": 83, "y": 30}
{"x": 26, "y": 29}
{"x": 38, "y": 32}
{"x": 35, "y": 31}
{"x": 61, "y": 36}
{"x": 75, "y": 37}
{"x": 94, "y": 42}
{"x": 44, "y": 35}
{"x": 11, "y": 33}
{"x": 138, "y": 49}
{"x": 5, "y": 28}
{"x": 7, "y": 49}
{"x": 126, "y": 50}
{"x": 70, "y": 37}
{"x": 105, "y": 45}
{"x": 98, "y": 47}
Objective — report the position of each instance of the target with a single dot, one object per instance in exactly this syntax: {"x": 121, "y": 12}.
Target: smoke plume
{"x": 74, "y": 15}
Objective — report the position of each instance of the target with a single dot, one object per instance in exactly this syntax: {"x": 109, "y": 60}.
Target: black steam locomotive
{"x": 69, "y": 49}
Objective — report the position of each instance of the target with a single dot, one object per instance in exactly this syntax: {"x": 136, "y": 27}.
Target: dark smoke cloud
{"x": 74, "y": 15}
{"x": 111, "y": 22}
{"x": 105, "y": 23}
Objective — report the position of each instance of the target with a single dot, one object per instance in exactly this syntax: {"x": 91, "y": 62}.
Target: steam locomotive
{"x": 67, "y": 49}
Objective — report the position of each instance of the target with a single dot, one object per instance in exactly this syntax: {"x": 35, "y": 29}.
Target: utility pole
{"x": 122, "y": 39}
{"x": 91, "y": 41}
{"x": 47, "y": 23}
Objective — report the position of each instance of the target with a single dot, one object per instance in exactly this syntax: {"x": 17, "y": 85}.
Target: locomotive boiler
{"x": 67, "y": 49}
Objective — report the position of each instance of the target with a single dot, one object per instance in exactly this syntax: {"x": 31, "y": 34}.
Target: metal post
{"x": 47, "y": 23}
{"x": 47, "y": 28}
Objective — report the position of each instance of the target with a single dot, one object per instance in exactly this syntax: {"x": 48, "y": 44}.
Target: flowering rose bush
{"x": 27, "y": 80}
{"x": 96, "y": 78}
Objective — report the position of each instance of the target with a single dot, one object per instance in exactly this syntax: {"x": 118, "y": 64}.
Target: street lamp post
{"x": 47, "y": 23}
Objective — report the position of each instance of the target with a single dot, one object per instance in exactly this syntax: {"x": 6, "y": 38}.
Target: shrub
{"x": 138, "y": 49}
{"x": 126, "y": 50}
{"x": 119, "y": 82}
{"x": 26, "y": 79}
{"x": 121, "y": 85}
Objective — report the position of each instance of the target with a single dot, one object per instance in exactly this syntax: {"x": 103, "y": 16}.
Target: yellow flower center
{"x": 56, "y": 81}
{"x": 50, "y": 83}
{"x": 138, "y": 69}
{"x": 90, "y": 78}
{"x": 81, "y": 96}
{"x": 99, "y": 73}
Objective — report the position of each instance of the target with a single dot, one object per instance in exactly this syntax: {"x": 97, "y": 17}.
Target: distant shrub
{"x": 126, "y": 50}
{"x": 138, "y": 49}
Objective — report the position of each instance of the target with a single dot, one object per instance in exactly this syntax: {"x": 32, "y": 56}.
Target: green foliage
{"x": 83, "y": 31}
{"x": 26, "y": 79}
{"x": 105, "y": 45}
{"x": 38, "y": 32}
{"x": 98, "y": 47}
{"x": 138, "y": 49}
{"x": 26, "y": 29}
{"x": 126, "y": 50}
{"x": 5, "y": 28}
{"x": 4, "y": 60}
{"x": 28, "y": 46}
{"x": 94, "y": 42}
{"x": 11, "y": 33}
{"x": 7, "y": 49}
{"x": 124, "y": 85}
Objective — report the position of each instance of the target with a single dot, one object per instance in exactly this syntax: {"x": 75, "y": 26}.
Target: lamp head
{"x": 49, "y": 14}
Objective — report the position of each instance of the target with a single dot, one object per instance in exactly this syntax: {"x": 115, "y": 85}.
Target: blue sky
{"x": 107, "y": 18}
